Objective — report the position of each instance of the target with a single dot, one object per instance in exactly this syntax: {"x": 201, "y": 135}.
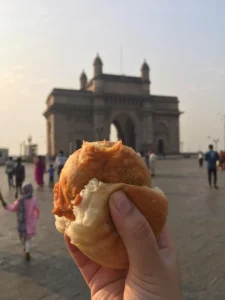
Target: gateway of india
{"x": 143, "y": 121}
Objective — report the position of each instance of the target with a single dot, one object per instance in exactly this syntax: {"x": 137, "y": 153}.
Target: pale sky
{"x": 47, "y": 43}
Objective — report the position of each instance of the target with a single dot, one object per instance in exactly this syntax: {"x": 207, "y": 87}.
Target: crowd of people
{"x": 16, "y": 171}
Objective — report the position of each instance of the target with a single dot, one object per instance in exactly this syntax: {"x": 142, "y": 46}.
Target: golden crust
{"x": 107, "y": 161}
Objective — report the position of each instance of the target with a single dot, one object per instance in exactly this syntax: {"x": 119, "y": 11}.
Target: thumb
{"x": 136, "y": 233}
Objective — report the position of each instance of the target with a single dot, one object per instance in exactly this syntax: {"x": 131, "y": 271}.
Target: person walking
{"x": 152, "y": 163}
{"x": 19, "y": 176}
{"x": 27, "y": 211}
{"x": 60, "y": 162}
{"x": 212, "y": 157}
{"x": 39, "y": 171}
{"x": 200, "y": 159}
{"x": 10, "y": 165}
{"x": 51, "y": 172}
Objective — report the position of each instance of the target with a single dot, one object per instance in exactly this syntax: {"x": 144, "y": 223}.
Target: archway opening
{"x": 161, "y": 147}
{"x": 122, "y": 128}
{"x": 113, "y": 136}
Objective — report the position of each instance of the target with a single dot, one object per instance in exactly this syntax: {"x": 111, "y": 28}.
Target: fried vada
{"x": 81, "y": 196}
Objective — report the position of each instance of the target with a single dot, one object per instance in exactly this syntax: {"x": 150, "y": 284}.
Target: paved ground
{"x": 197, "y": 218}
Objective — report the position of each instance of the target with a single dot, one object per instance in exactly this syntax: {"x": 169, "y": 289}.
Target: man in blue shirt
{"x": 212, "y": 157}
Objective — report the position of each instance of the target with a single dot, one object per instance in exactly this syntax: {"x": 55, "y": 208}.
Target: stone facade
{"x": 144, "y": 121}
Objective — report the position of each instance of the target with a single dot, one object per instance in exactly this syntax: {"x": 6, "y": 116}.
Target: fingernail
{"x": 121, "y": 202}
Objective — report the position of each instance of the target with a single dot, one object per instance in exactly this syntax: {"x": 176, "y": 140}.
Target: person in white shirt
{"x": 10, "y": 167}
{"x": 152, "y": 162}
{"x": 60, "y": 162}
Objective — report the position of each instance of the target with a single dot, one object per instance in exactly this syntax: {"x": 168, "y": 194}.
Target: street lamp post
{"x": 29, "y": 139}
{"x": 216, "y": 141}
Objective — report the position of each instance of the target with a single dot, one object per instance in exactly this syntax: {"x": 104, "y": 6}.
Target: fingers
{"x": 138, "y": 238}
{"x": 165, "y": 239}
{"x": 87, "y": 267}
{"x": 95, "y": 276}
{"x": 76, "y": 254}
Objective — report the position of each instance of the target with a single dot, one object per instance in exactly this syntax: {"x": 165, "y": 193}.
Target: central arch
{"x": 120, "y": 132}
{"x": 125, "y": 130}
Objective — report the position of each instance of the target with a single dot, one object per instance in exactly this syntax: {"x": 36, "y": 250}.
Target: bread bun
{"x": 81, "y": 198}
{"x": 108, "y": 162}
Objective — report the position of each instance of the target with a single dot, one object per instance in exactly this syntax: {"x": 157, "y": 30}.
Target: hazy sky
{"x": 46, "y": 44}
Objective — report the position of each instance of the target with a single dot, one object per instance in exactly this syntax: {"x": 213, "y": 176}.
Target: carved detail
{"x": 149, "y": 113}
{"x": 80, "y": 115}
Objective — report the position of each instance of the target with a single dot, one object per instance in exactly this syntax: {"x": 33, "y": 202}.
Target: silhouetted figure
{"x": 51, "y": 172}
{"x": 39, "y": 171}
{"x": 19, "y": 176}
{"x": 10, "y": 165}
{"x": 212, "y": 157}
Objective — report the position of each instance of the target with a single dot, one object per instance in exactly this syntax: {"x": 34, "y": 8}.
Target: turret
{"x": 97, "y": 66}
{"x": 83, "y": 81}
{"x": 145, "y": 71}
{"x": 145, "y": 77}
{"x": 98, "y": 80}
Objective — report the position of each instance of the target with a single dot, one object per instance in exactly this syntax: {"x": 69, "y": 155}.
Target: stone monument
{"x": 143, "y": 121}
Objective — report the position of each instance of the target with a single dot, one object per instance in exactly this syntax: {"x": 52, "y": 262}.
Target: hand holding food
{"x": 81, "y": 197}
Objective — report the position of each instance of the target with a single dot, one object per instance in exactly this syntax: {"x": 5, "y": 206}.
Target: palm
{"x": 104, "y": 283}
{"x": 107, "y": 284}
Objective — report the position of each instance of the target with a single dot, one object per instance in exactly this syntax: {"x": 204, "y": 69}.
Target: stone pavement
{"x": 197, "y": 219}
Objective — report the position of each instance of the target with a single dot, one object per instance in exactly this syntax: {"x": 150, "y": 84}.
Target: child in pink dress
{"x": 27, "y": 211}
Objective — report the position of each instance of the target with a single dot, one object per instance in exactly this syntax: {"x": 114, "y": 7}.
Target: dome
{"x": 83, "y": 76}
{"x": 145, "y": 66}
{"x": 97, "y": 61}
